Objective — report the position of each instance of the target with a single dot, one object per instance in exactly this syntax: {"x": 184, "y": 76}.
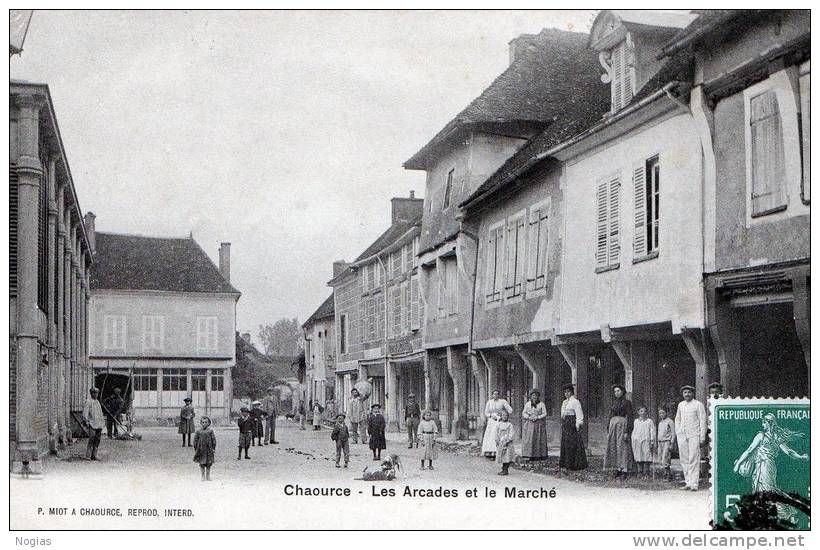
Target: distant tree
{"x": 282, "y": 337}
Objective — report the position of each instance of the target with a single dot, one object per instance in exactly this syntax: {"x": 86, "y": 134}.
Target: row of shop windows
{"x": 177, "y": 380}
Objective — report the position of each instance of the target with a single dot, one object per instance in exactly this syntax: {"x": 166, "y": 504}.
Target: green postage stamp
{"x": 760, "y": 463}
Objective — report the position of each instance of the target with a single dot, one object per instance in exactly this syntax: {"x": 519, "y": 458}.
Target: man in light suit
{"x": 690, "y": 428}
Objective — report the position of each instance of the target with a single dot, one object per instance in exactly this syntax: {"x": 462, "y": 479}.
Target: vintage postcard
{"x": 458, "y": 269}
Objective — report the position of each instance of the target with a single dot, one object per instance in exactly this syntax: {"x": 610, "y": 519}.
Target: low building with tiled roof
{"x": 162, "y": 324}
{"x": 320, "y": 352}
{"x": 377, "y": 318}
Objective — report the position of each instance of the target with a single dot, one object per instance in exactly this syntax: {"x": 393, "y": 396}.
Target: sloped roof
{"x": 549, "y": 71}
{"x": 134, "y": 262}
{"x": 325, "y": 310}
{"x": 706, "y": 22}
{"x": 388, "y": 237}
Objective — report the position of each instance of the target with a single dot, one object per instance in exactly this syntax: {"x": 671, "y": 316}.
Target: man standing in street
{"x": 271, "y": 406}
{"x": 95, "y": 421}
{"x": 690, "y": 425}
{"x": 412, "y": 417}
{"x": 358, "y": 416}
{"x": 113, "y": 408}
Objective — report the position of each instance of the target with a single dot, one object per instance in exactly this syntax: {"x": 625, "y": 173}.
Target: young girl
{"x": 317, "y": 416}
{"x": 186, "y": 421}
{"x": 665, "y": 441}
{"x": 205, "y": 447}
{"x": 505, "y": 451}
{"x": 643, "y": 441}
{"x": 375, "y": 427}
{"x": 428, "y": 430}
{"x": 340, "y": 435}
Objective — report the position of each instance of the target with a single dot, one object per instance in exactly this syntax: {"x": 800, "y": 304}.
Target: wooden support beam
{"x": 568, "y": 352}
{"x": 536, "y": 363}
{"x": 624, "y": 352}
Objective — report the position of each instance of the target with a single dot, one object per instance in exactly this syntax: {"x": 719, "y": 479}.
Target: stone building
{"x": 320, "y": 353}
{"x": 377, "y": 317}
{"x": 751, "y": 102}
{"x": 49, "y": 262}
{"x": 162, "y": 324}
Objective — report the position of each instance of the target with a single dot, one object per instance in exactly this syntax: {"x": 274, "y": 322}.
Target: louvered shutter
{"x": 543, "y": 248}
{"x": 532, "y": 247}
{"x": 415, "y": 320}
{"x": 521, "y": 244}
{"x": 602, "y": 223}
{"x": 13, "y": 218}
{"x": 489, "y": 283}
{"x": 617, "y": 76}
{"x": 627, "y": 70}
{"x": 512, "y": 241}
{"x": 639, "y": 185}
{"x": 499, "y": 263}
{"x": 405, "y": 307}
{"x": 767, "y": 154}
{"x": 614, "y": 221}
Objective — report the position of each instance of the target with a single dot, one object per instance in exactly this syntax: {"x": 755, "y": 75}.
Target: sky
{"x": 283, "y": 133}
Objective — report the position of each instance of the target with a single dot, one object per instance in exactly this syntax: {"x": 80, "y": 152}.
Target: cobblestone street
{"x": 157, "y": 473}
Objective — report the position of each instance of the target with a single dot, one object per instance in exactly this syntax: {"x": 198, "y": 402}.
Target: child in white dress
{"x": 643, "y": 441}
{"x": 428, "y": 430}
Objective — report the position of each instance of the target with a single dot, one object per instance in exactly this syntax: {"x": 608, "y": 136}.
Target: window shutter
{"x": 13, "y": 216}
{"x": 767, "y": 154}
{"x": 627, "y": 68}
{"x": 543, "y": 248}
{"x": 489, "y": 283}
{"x": 617, "y": 77}
{"x": 520, "y": 246}
{"x": 499, "y": 263}
{"x": 639, "y": 185}
{"x": 602, "y": 223}
{"x": 509, "y": 279}
{"x": 532, "y": 247}
{"x": 415, "y": 320}
{"x": 405, "y": 307}
{"x": 614, "y": 220}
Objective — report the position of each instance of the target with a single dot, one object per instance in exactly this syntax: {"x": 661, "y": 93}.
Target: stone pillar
{"x": 392, "y": 398}
{"x": 480, "y": 374}
{"x": 67, "y": 301}
{"x": 457, "y": 368}
{"x": 726, "y": 339}
{"x": 346, "y": 395}
{"x": 428, "y": 396}
{"x": 59, "y": 263}
{"x": 29, "y": 170}
{"x": 227, "y": 376}
{"x": 53, "y": 366}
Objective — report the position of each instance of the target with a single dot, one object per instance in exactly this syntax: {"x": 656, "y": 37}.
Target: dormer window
{"x": 622, "y": 74}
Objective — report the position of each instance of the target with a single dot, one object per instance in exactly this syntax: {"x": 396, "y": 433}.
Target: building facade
{"x": 320, "y": 353}
{"x": 162, "y": 325}
{"x": 377, "y": 316}
{"x": 49, "y": 263}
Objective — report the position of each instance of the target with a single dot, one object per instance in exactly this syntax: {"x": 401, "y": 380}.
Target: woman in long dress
{"x": 492, "y": 412}
{"x": 534, "y": 429}
{"x": 573, "y": 454}
{"x": 759, "y": 460}
{"x": 618, "y": 443}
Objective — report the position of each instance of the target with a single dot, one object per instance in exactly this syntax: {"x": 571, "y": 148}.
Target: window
{"x": 607, "y": 245}
{"x": 206, "y": 333}
{"x": 448, "y": 188}
{"x": 343, "y": 333}
{"x": 516, "y": 239}
{"x": 145, "y": 379}
{"x": 415, "y": 301}
{"x": 622, "y": 74}
{"x": 395, "y": 310}
{"x": 217, "y": 381}
{"x": 538, "y": 246}
{"x": 805, "y": 129}
{"x": 395, "y": 263}
{"x": 448, "y": 286}
{"x": 767, "y": 163}
{"x": 174, "y": 380}
{"x": 409, "y": 256}
{"x": 405, "y": 307}
{"x": 153, "y": 332}
{"x": 646, "y": 179}
{"x": 114, "y": 332}
{"x": 495, "y": 263}
{"x": 199, "y": 381}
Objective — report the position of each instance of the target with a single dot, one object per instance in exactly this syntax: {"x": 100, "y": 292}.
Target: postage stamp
{"x": 760, "y": 463}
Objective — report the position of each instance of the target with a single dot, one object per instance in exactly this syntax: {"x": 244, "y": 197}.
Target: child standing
{"x": 186, "y": 421}
{"x": 428, "y": 430}
{"x": 375, "y": 427}
{"x": 341, "y": 435}
{"x": 504, "y": 435}
{"x": 205, "y": 447}
{"x": 257, "y": 414}
{"x": 666, "y": 440}
{"x": 317, "y": 416}
{"x": 643, "y": 441}
{"x": 245, "y": 423}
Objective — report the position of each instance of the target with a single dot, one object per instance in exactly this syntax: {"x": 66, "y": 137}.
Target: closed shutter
{"x": 767, "y": 154}
{"x": 617, "y": 76}
{"x": 614, "y": 221}
{"x": 521, "y": 245}
{"x": 489, "y": 282}
{"x": 639, "y": 185}
{"x": 509, "y": 279}
{"x": 405, "y": 307}
{"x": 537, "y": 248}
{"x": 13, "y": 215}
{"x": 602, "y": 223}
{"x": 452, "y": 286}
{"x": 415, "y": 312}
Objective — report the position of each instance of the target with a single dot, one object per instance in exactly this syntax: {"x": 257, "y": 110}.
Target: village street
{"x": 157, "y": 473}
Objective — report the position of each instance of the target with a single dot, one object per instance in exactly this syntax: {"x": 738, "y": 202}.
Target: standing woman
{"x": 573, "y": 454}
{"x": 186, "y": 422}
{"x": 618, "y": 444}
{"x": 495, "y": 405}
{"x": 534, "y": 430}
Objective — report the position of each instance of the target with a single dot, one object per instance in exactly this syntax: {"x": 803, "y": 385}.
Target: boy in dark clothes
{"x": 258, "y": 415}
{"x": 245, "y": 423}
{"x": 341, "y": 435}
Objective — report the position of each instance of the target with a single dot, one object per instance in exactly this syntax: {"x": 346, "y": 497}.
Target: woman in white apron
{"x": 492, "y": 412}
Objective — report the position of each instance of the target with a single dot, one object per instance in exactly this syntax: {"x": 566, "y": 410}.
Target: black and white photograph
{"x": 462, "y": 269}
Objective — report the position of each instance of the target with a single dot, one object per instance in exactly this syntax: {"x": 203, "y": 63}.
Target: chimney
{"x": 90, "y": 231}
{"x": 406, "y": 209}
{"x": 519, "y": 45}
{"x": 246, "y": 336}
{"x": 225, "y": 260}
{"x": 338, "y": 267}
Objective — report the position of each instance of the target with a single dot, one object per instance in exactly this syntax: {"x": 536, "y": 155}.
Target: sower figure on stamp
{"x": 690, "y": 427}
{"x": 358, "y": 416}
{"x": 95, "y": 421}
{"x": 113, "y": 409}
{"x": 412, "y": 418}
{"x": 271, "y": 406}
